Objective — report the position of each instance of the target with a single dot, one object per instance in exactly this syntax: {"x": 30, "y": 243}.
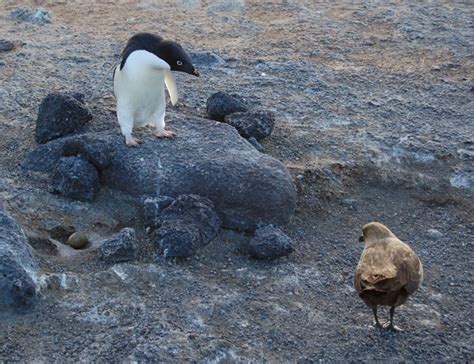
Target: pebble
{"x": 6, "y": 45}
{"x": 435, "y": 234}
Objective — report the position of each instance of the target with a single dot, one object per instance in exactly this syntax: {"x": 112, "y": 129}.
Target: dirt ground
{"x": 374, "y": 120}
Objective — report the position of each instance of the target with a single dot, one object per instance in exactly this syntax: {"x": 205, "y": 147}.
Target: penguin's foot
{"x": 164, "y": 133}
{"x": 132, "y": 142}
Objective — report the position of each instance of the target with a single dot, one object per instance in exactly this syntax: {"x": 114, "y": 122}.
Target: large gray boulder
{"x": 18, "y": 266}
{"x": 206, "y": 158}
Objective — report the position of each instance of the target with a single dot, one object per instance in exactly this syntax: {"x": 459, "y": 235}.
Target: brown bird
{"x": 388, "y": 271}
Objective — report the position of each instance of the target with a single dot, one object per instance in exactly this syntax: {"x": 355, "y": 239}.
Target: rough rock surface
{"x": 153, "y": 208}
{"x": 188, "y": 224}
{"x": 18, "y": 266}
{"x": 221, "y": 104}
{"x": 75, "y": 178}
{"x": 119, "y": 248}
{"x": 269, "y": 242}
{"x": 256, "y": 123}
{"x": 60, "y": 115}
{"x": 207, "y": 158}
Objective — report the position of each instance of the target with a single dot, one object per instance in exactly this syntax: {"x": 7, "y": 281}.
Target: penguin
{"x": 139, "y": 83}
{"x": 388, "y": 271}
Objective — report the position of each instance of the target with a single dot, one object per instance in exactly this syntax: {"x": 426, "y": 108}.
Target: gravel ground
{"x": 374, "y": 120}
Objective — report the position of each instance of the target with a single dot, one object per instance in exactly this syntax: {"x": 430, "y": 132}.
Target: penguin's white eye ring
{"x": 179, "y": 63}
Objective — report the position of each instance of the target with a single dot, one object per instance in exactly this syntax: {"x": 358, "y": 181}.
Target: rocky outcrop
{"x": 206, "y": 158}
{"x": 18, "y": 266}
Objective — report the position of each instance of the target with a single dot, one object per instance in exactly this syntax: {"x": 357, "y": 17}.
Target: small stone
{"x": 435, "y": 234}
{"x": 221, "y": 104}
{"x": 188, "y": 224}
{"x": 75, "y": 178}
{"x": 269, "y": 242}
{"x": 78, "y": 240}
{"x": 256, "y": 144}
{"x": 6, "y": 45}
{"x": 33, "y": 16}
{"x": 60, "y": 115}
{"x": 258, "y": 124}
{"x": 153, "y": 207}
{"x": 120, "y": 248}
{"x": 206, "y": 59}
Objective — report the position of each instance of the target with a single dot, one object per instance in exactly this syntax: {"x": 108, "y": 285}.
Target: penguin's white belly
{"x": 143, "y": 94}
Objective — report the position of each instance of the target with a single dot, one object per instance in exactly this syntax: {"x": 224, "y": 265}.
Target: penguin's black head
{"x": 170, "y": 52}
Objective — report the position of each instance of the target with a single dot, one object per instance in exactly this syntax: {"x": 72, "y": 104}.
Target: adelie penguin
{"x": 388, "y": 271}
{"x": 140, "y": 79}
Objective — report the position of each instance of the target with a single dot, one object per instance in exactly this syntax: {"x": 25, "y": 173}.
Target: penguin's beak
{"x": 195, "y": 72}
{"x": 361, "y": 239}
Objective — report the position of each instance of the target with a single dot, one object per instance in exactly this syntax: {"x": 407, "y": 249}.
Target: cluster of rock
{"x": 188, "y": 188}
{"x": 252, "y": 124}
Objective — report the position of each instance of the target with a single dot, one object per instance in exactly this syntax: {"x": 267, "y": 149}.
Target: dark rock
{"x": 269, "y": 243}
{"x": 188, "y": 224}
{"x": 256, "y": 144}
{"x": 258, "y": 124}
{"x": 220, "y": 104}
{"x": 6, "y": 45}
{"x": 45, "y": 157}
{"x": 60, "y": 115}
{"x": 94, "y": 150}
{"x": 206, "y": 59}
{"x": 153, "y": 208}
{"x": 18, "y": 266}
{"x": 75, "y": 178}
{"x": 208, "y": 159}
{"x": 120, "y": 248}
{"x": 32, "y": 16}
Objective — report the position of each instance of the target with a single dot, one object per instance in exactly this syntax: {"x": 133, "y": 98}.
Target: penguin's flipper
{"x": 171, "y": 86}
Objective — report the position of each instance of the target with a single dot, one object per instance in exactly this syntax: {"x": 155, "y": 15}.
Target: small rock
{"x": 226, "y": 6}
{"x": 221, "y": 104}
{"x": 78, "y": 240}
{"x": 258, "y": 124}
{"x": 18, "y": 266}
{"x": 153, "y": 207}
{"x": 256, "y": 144}
{"x": 188, "y": 224}
{"x": 435, "y": 234}
{"x": 206, "y": 59}
{"x": 60, "y": 115}
{"x": 6, "y": 45}
{"x": 33, "y": 16}
{"x": 75, "y": 178}
{"x": 269, "y": 243}
{"x": 120, "y": 248}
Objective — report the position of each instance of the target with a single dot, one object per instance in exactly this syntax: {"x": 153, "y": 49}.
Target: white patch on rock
{"x": 461, "y": 179}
